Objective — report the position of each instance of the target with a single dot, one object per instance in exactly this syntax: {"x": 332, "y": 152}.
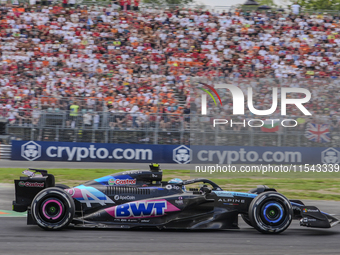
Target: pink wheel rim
{"x": 60, "y": 209}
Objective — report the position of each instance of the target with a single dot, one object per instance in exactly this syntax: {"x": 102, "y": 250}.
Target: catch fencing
{"x": 98, "y": 120}
{"x": 99, "y": 127}
{"x": 121, "y": 127}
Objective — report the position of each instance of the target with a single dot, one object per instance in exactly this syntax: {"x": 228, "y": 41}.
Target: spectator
{"x": 120, "y": 118}
{"x": 72, "y": 2}
{"x": 74, "y": 109}
{"x": 186, "y": 114}
{"x": 142, "y": 118}
{"x": 334, "y": 123}
{"x": 123, "y": 4}
{"x": 11, "y": 116}
{"x": 52, "y": 56}
{"x": 296, "y": 8}
{"x": 115, "y": 4}
{"x": 128, "y": 5}
{"x": 134, "y": 113}
{"x": 136, "y": 5}
{"x": 96, "y": 120}
{"x": 112, "y": 119}
{"x": 87, "y": 120}
{"x": 35, "y": 116}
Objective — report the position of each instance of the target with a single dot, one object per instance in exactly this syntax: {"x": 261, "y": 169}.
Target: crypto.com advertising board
{"x": 138, "y": 153}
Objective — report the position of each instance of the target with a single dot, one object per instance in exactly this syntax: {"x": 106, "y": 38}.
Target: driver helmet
{"x": 176, "y": 181}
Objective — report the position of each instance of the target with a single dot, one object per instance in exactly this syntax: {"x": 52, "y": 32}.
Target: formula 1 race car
{"x": 139, "y": 198}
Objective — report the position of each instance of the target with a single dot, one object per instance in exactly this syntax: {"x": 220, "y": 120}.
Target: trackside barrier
{"x": 181, "y": 154}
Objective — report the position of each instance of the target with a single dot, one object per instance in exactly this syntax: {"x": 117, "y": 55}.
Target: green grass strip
{"x": 293, "y": 188}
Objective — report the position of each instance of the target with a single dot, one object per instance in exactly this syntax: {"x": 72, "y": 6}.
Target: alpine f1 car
{"x": 139, "y": 198}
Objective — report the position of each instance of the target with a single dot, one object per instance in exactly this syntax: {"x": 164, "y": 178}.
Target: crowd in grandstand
{"x": 130, "y": 61}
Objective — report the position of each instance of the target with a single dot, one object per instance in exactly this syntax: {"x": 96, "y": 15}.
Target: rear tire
{"x": 53, "y": 209}
{"x": 62, "y": 186}
{"x": 270, "y": 213}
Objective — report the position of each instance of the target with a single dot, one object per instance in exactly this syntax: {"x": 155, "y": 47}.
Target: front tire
{"x": 258, "y": 190}
{"x": 52, "y": 209}
{"x": 245, "y": 218}
{"x": 270, "y": 213}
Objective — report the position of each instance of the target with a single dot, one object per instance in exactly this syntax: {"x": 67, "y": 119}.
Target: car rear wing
{"x": 28, "y": 186}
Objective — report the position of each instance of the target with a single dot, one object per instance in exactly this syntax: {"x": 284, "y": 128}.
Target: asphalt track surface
{"x": 18, "y": 238}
